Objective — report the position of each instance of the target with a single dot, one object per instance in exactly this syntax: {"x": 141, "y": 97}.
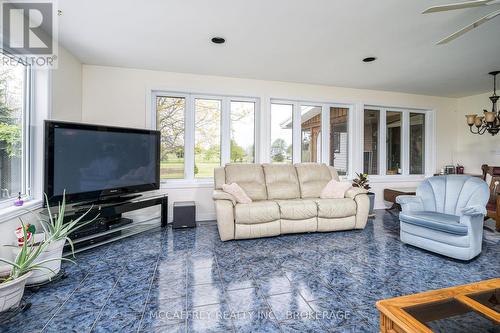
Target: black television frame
{"x": 48, "y": 178}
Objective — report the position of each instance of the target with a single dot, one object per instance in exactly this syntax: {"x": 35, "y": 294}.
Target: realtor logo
{"x": 29, "y": 31}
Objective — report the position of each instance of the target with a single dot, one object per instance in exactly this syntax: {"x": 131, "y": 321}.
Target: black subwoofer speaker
{"x": 184, "y": 214}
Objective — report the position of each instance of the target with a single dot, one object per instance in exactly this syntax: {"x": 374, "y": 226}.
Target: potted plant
{"x": 363, "y": 182}
{"x": 57, "y": 233}
{"x": 12, "y": 284}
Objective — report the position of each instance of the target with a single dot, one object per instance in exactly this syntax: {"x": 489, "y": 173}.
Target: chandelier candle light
{"x": 491, "y": 120}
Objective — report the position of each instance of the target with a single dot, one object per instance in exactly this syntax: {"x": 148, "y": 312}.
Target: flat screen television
{"x": 92, "y": 162}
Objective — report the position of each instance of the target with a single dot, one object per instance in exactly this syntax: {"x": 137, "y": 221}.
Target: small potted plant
{"x": 57, "y": 233}
{"x": 12, "y": 284}
{"x": 363, "y": 182}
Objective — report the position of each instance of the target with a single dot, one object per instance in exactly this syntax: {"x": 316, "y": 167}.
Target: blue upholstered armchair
{"x": 446, "y": 216}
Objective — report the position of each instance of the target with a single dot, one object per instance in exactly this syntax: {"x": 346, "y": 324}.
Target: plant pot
{"x": 12, "y": 292}
{"x": 371, "y": 197}
{"x": 53, "y": 251}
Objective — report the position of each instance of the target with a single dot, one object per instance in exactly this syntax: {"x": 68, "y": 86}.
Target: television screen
{"x": 89, "y": 161}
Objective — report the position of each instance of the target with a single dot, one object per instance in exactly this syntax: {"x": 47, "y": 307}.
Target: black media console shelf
{"x": 109, "y": 225}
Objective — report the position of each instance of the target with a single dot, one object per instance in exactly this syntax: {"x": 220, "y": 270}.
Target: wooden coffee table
{"x": 474, "y": 307}
{"x": 390, "y": 195}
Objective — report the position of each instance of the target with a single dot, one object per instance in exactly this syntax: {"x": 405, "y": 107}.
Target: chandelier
{"x": 491, "y": 120}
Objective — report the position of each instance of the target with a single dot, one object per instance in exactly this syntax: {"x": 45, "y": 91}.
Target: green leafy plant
{"x": 57, "y": 229}
{"x": 361, "y": 181}
{"x": 10, "y": 136}
{"x": 25, "y": 260}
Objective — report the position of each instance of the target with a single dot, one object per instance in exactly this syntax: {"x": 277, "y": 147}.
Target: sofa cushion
{"x": 237, "y": 192}
{"x": 257, "y": 212}
{"x": 332, "y": 208}
{"x": 436, "y": 221}
{"x": 335, "y": 189}
{"x": 313, "y": 177}
{"x": 297, "y": 209}
{"x": 281, "y": 181}
{"x": 250, "y": 177}
{"x": 268, "y": 229}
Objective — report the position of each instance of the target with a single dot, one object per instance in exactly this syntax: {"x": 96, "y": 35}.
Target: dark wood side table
{"x": 390, "y": 195}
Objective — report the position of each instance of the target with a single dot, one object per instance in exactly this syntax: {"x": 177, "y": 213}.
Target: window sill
{"x": 9, "y": 213}
{"x": 187, "y": 183}
{"x": 395, "y": 178}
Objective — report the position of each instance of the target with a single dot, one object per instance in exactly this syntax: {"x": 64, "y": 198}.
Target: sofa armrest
{"x": 221, "y": 195}
{"x": 354, "y": 191}
{"x": 410, "y": 203}
{"x": 474, "y": 210}
{"x": 225, "y": 219}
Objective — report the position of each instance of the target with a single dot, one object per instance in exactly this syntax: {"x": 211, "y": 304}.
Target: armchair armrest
{"x": 221, "y": 195}
{"x": 410, "y": 203}
{"x": 354, "y": 191}
{"x": 474, "y": 210}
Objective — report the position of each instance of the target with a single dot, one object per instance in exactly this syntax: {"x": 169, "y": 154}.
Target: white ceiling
{"x": 310, "y": 41}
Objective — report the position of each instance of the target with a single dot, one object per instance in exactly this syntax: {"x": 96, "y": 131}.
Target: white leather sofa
{"x": 285, "y": 200}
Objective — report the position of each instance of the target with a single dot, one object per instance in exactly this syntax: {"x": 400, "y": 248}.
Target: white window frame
{"x": 27, "y": 143}
{"x": 405, "y": 144}
{"x": 325, "y": 130}
{"x": 189, "y": 179}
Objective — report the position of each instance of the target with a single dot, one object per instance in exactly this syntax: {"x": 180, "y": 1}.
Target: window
{"x": 242, "y": 132}
{"x": 417, "y": 143}
{"x": 393, "y": 138}
{"x": 170, "y": 113}
{"x": 14, "y": 134}
{"x": 207, "y": 148}
{"x": 202, "y": 132}
{"x": 281, "y": 133}
{"x": 404, "y": 134}
{"x": 371, "y": 136}
{"x": 311, "y": 133}
{"x": 339, "y": 139}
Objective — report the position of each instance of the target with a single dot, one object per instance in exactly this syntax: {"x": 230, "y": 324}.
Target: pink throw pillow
{"x": 237, "y": 192}
{"x": 335, "y": 190}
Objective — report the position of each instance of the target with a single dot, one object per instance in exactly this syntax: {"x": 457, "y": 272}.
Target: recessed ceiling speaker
{"x": 218, "y": 40}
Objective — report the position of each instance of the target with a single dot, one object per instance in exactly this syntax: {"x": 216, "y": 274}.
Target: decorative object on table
{"x": 362, "y": 181}
{"x": 184, "y": 214}
{"x": 459, "y": 169}
{"x": 19, "y": 202}
{"x": 491, "y": 175}
{"x": 449, "y": 169}
{"x": 446, "y": 216}
{"x": 490, "y": 121}
{"x": 27, "y": 260}
{"x": 24, "y": 233}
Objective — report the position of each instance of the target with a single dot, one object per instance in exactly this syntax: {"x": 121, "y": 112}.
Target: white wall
{"x": 473, "y": 150}
{"x": 67, "y": 88}
{"x": 120, "y": 96}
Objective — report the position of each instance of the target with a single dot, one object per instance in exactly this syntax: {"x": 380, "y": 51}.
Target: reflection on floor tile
{"x": 190, "y": 281}
{"x": 245, "y": 300}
